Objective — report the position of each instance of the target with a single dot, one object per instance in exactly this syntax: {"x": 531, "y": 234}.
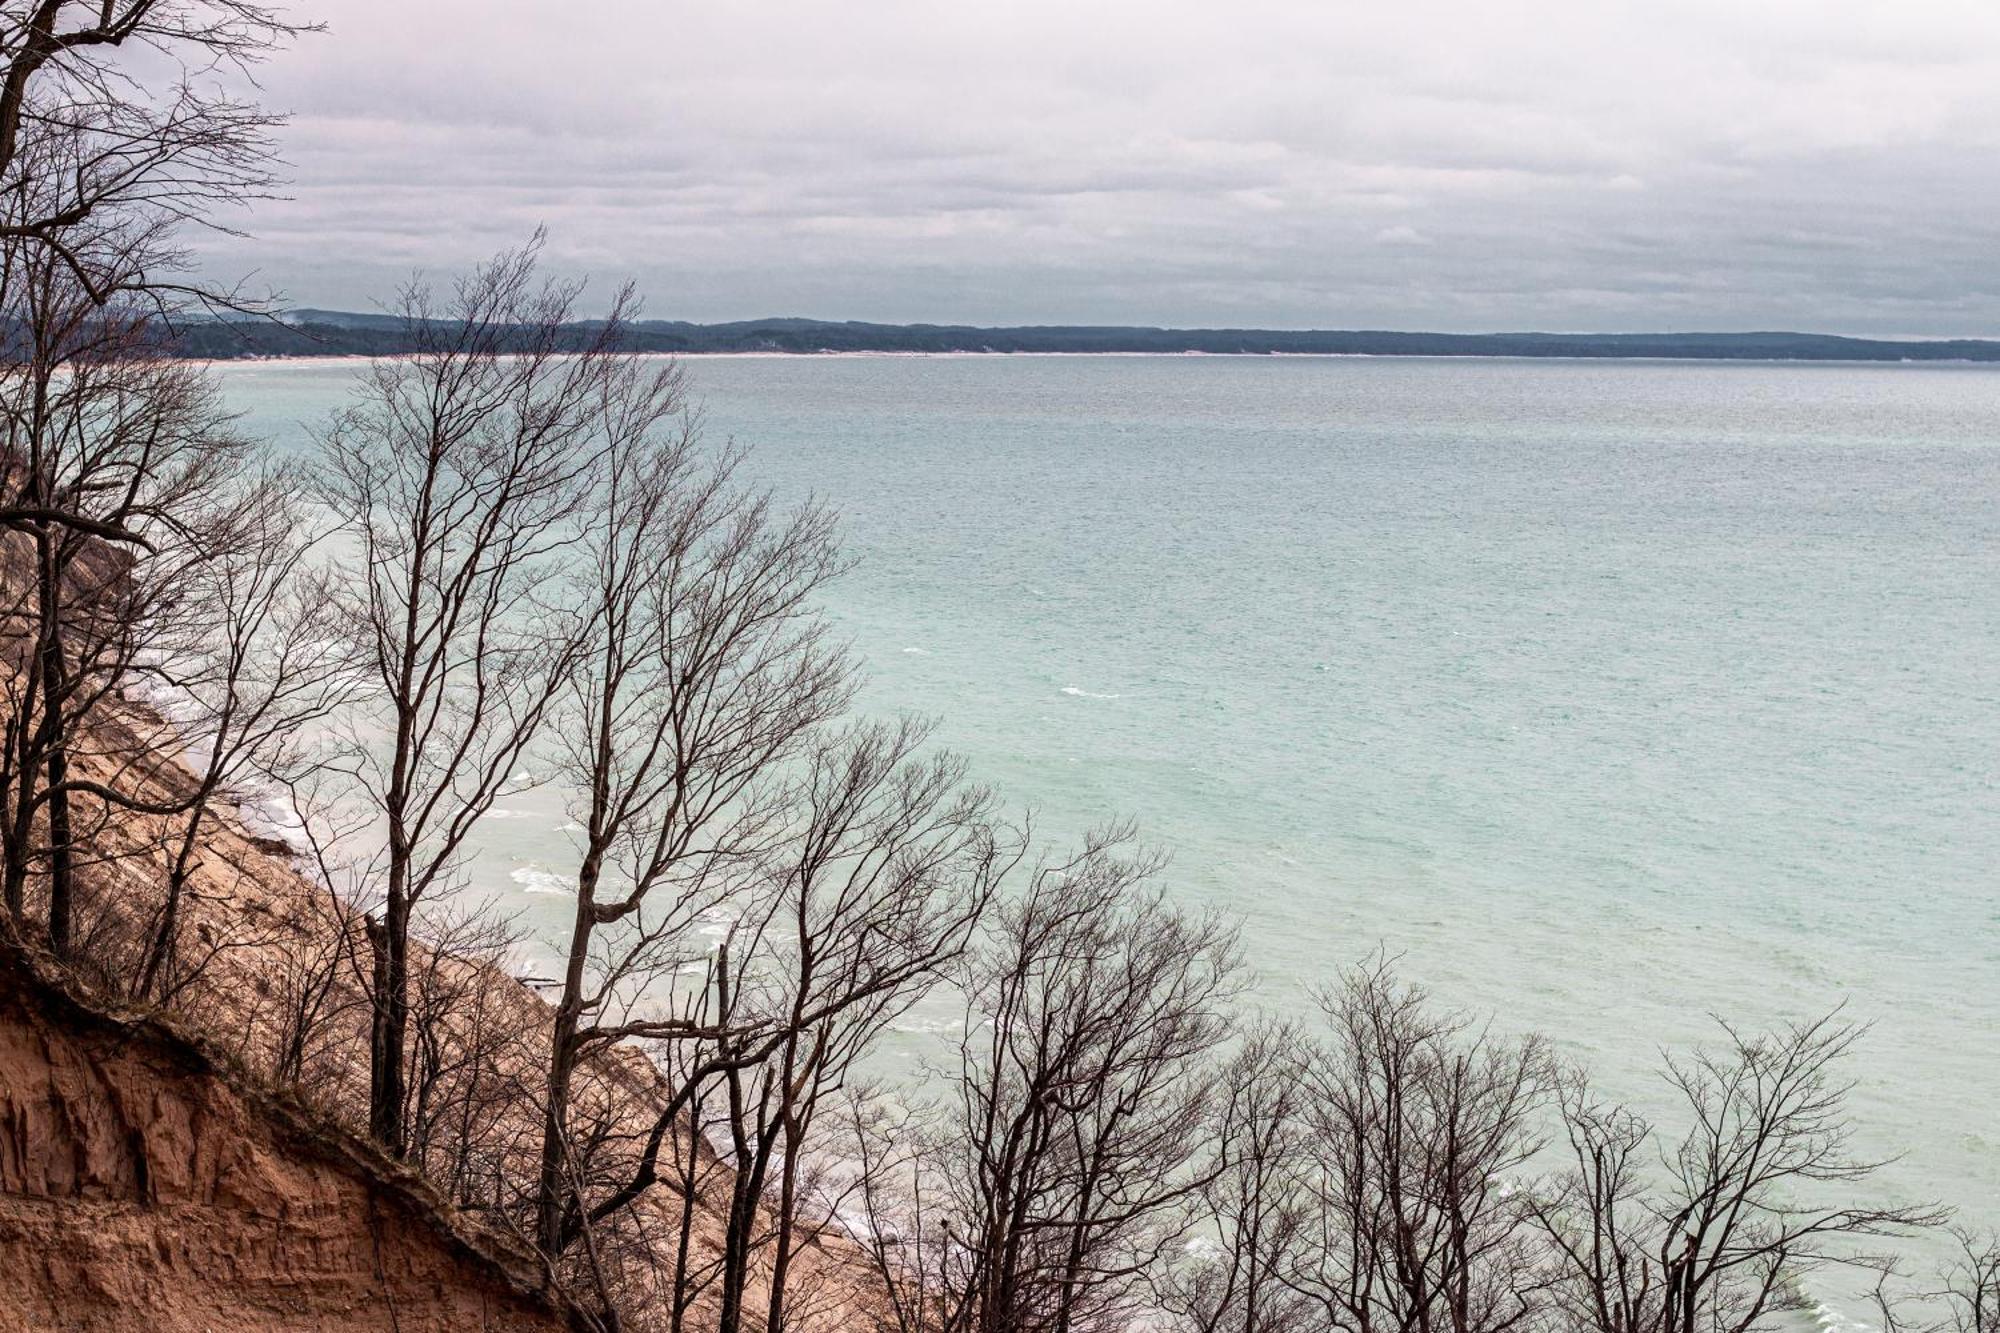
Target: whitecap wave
{"x": 1075, "y": 693}
{"x": 717, "y": 922}
{"x": 918, "y": 652}
{"x": 927, "y": 1027}
{"x": 533, "y": 879}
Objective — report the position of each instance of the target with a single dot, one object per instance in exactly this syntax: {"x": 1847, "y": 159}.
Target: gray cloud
{"x": 1579, "y": 164}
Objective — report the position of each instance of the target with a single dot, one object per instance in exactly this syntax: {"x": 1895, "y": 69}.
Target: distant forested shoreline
{"x": 314, "y": 333}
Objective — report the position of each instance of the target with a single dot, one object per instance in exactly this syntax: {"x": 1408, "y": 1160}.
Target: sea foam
{"x": 533, "y": 879}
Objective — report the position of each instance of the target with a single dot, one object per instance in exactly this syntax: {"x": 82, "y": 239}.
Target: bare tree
{"x": 103, "y": 435}
{"x": 1253, "y": 1212}
{"x": 1964, "y": 1297}
{"x": 1971, "y": 1286}
{"x": 304, "y": 999}
{"x": 613, "y": 1159}
{"x": 94, "y": 144}
{"x": 259, "y": 662}
{"x": 472, "y": 1045}
{"x": 885, "y": 871}
{"x": 102, "y": 164}
{"x": 457, "y": 475}
{"x": 899, "y": 1153}
{"x": 702, "y": 667}
{"x": 1422, "y": 1125}
{"x": 870, "y": 883}
{"x": 1075, "y": 1128}
{"x": 1751, "y": 1200}
{"x": 696, "y": 1178}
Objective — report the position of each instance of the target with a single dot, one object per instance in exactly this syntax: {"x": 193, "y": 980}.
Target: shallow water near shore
{"x": 1608, "y": 695}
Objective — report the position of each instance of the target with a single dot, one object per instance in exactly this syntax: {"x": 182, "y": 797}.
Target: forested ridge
{"x": 333, "y": 333}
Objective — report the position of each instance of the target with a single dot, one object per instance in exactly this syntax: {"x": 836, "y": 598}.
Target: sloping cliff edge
{"x": 143, "y": 1184}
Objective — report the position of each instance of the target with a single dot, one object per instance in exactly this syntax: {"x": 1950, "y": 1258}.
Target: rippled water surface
{"x": 1608, "y": 695}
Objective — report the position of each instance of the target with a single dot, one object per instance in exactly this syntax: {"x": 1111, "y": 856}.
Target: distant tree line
{"x": 513, "y": 557}
{"x": 324, "y": 333}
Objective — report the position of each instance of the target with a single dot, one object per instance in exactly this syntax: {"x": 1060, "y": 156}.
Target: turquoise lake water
{"x": 1608, "y": 695}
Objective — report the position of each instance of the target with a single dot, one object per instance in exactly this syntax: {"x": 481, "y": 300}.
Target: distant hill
{"x": 342, "y": 333}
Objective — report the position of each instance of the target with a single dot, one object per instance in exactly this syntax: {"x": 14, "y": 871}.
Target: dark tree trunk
{"x": 62, "y": 902}
{"x": 551, "y": 1194}
{"x": 53, "y": 681}
{"x": 388, "y": 949}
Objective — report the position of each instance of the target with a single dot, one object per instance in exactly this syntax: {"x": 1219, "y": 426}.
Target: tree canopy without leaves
{"x": 1716, "y": 1230}
{"x": 457, "y": 475}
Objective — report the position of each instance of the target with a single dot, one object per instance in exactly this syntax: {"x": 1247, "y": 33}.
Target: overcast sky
{"x": 1441, "y": 164}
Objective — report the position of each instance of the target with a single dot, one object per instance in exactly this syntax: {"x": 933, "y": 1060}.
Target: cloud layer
{"x": 1565, "y": 164}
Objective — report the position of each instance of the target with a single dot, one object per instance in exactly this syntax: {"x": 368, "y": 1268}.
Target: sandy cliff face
{"x": 142, "y": 1186}
{"x": 146, "y": 1186}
